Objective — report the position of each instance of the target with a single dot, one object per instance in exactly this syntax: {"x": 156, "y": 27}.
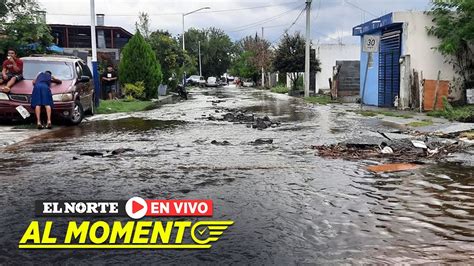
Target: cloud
{"x": 331, "y": 20}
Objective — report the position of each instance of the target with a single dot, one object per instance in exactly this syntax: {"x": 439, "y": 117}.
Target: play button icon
{"x": 136, "y": 207}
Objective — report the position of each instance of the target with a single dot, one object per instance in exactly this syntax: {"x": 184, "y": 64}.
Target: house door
{"x": 389, "y": 68}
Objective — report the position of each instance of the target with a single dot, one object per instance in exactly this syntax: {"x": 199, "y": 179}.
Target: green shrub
{"x": 134, "y": 91}
{"x": 139, "y": 63}
{"x": 461, "y": 113}
{"x": 280, "y": 89}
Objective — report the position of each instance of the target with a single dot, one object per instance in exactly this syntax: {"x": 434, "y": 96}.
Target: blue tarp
{"x": 53, "y": 47}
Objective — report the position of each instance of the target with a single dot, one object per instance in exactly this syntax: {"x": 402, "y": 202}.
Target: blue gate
{"x": 389, "y": 68}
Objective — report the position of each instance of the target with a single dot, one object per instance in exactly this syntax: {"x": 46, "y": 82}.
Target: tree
{"x": 253, "y": 54}
{"x": 139, "y": 63}
{"x": 143, "y": 24}
{"x": 21, "y": 24}
{"x": 290, "y": 55}
{"x": 172, "y": 58}
{"x": 454, "y": 26}
{"x": 242, "y": 66}
{"x": 216, "y": 49}
{"x": 262, "y": 54}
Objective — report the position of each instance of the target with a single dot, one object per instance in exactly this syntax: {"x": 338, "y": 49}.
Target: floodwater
{"x": 289, "y": 206}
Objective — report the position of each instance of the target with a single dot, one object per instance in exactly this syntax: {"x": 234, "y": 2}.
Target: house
{"x": 405, "y": 71}
{"x": 77, "y": 38}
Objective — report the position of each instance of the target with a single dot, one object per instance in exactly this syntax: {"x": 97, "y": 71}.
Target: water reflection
{"x": 289, "y": 206}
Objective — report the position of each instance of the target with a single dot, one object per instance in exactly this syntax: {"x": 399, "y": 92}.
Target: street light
{"x": 185, "y": 14}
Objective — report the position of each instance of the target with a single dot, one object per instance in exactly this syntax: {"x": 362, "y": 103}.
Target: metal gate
{"x": 389, "y": 68}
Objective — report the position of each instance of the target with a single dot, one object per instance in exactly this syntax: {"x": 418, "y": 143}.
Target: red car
{"x": 72, "y": 99}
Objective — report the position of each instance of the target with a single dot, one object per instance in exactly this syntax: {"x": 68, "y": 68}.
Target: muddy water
{"x": 289, "y": 206}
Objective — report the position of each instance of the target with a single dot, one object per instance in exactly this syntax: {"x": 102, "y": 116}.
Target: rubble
{"x": 262, "y": 141}
{"x": 221, "y": 143}
{"x": 237, "y": 116}
{"x": 403, "y": 149}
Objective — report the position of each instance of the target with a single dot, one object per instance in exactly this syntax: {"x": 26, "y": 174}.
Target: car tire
{"x": 91, "y": 110}
{"x": 77, "y": 114}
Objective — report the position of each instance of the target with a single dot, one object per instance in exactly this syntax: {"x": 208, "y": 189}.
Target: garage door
{"x": 389, "y": 68}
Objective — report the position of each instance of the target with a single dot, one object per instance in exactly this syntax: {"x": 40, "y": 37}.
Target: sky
{"x": 331, "y": 20}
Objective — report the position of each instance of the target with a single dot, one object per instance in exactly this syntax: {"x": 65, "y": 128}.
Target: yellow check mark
{"x": 202, "y": 231}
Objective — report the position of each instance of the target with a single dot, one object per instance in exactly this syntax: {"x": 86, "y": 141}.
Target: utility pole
{"x": 307, "y": 50}
{"x": 199, "y": 48}
{"x": 182, "y": 33}
{"x": 263, "y": 60}
{"x": 94, "y": 56}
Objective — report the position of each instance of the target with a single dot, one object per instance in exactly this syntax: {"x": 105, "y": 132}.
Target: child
{"x": 42, "y": 96}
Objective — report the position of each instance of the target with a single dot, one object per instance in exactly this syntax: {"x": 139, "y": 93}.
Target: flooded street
{"x": 289, "y": 206}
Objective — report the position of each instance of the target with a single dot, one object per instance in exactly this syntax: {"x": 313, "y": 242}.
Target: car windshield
{"x": 211, "y": 79}
{"x": 194, "y": 77}
{"x": 60, "y": 70}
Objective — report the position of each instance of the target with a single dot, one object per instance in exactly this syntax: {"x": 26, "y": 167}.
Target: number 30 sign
{"x": 371, "y": 43}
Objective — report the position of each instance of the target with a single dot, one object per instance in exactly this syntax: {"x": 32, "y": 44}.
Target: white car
{"x": 196, "y": 80}
{"x": 248, "y": 83}
{"x": 212, "y": 82}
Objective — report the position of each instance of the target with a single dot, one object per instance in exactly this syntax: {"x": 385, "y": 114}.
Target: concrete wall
{"x": 417, "y": 45}
{"x": 348, "y": 78}
{"x": 328, "y": 54}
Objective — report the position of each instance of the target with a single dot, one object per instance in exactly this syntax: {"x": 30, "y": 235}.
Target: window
{"x": 61, "y": 70}
{"x": 78, "y": 70}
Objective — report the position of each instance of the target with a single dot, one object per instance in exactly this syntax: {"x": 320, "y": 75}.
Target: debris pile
{"x": 237, "y": 116}
{"x": 400, "y": 150}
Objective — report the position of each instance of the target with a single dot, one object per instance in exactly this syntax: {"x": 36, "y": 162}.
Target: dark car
{"x": 72, "y": 98}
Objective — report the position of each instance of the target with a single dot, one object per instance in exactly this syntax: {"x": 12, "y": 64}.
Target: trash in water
{"x": 393, "y": 167}
{"x": 419, "y": 144}
{"x": 386, "y": 150}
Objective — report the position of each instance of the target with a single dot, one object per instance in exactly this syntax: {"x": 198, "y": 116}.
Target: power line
{"x": 261, "y": 22}
{"x": 361, "y": 9}
{"x": 247, "y": 8}
{"x": 292, "y": 24}
{"x": 178, "y": 13}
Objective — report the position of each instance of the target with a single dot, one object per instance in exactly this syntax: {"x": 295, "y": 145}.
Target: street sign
{"x": 371, "y": 43}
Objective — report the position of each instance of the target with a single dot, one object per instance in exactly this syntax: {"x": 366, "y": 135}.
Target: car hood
{"x": 26, "y": 87}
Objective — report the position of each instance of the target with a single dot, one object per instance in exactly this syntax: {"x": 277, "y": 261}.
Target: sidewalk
{"x": 415, "y": 121}
{"x": 167, "y": 99}
{"x": 11, "y": 134}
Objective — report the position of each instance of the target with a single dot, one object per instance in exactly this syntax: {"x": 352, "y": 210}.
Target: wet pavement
{"x": 289, "y": 206}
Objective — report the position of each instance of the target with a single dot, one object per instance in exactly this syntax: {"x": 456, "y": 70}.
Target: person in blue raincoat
{"x": 42, "y": 96}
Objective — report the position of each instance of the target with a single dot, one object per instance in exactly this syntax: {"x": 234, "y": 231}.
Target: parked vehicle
{"x": 248, "y": 83}
{"x": 223, "y": 81}
{"x": 72, "y": 99}
{"x": 212, "y": 82}
{"x": 196, "y": 80}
